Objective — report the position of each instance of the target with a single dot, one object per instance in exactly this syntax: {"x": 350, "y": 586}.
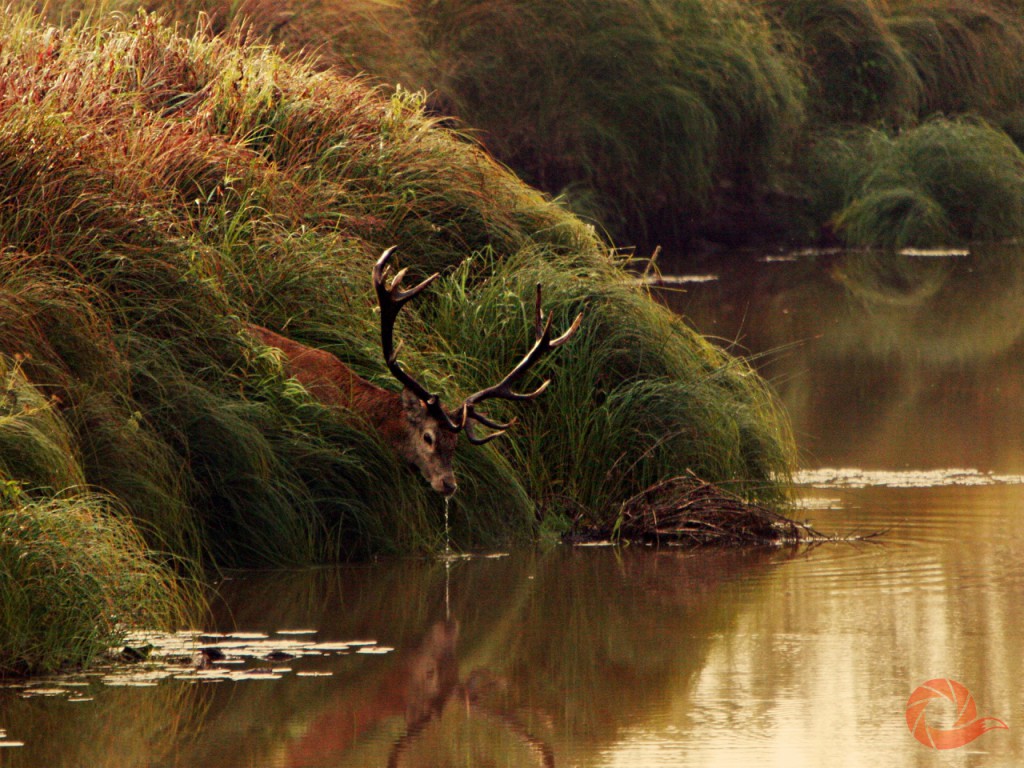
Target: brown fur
{"x": 401, "y": 418}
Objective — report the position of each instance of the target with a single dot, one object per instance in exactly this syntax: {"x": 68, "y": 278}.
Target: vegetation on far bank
{"x": 158, "y": 190}
{"x": 679, "y": 121}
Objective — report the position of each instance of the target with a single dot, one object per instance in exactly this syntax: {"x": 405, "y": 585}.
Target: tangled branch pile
{"x": 688, "y": 511}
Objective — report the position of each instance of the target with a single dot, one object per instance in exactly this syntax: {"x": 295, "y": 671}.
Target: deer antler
{"x": 391, "y": 300}
{"x": 503, "y": 389}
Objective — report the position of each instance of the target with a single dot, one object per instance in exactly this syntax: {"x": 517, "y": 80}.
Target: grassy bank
{"x": 75, "y": 576}
{"x": 158, "y": 190}
{"x": 940, "y": 183}
{"x": 676, "y": 121}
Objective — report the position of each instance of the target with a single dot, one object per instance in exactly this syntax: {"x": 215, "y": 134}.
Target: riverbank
{"x": 160, "y": 191}
{"x": 704, "y": 124}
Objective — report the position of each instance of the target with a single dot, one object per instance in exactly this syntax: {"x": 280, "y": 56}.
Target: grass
{"x": 160, "y": 186}
{"x": 668, "y": 122}
{"x": 647, "y": 106}
{"x": 969, "y": 56}
{"x": 635, "y": 112}
{"x": 858, "y": 70}
{"x": 944, "y": 182}
{"x": 636, "y": 391}
{"x": 75, "y": 577}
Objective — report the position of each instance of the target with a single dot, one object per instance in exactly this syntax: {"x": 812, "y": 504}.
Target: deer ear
{"x": 414, "y": 409}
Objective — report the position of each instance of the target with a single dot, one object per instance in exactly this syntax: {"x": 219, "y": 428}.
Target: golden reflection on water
{"x": 599, "y": 657}
{"x": 883, "y": 361}
{"x": 639, "y": 658}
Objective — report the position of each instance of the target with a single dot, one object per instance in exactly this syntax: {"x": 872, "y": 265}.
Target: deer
{"x": 413, "y": 422}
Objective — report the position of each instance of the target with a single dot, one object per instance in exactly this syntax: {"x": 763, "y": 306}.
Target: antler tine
{"x": 391, "y": 299}
{"x": 556, "y": 343}
{"x": 542, "y": 344}
{"x": 471, "y": 435}
{"x": 503, "y": 389}
{"x": 395, "y": 296}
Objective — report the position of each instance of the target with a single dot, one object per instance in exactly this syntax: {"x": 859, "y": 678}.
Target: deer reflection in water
{"x": 424, "y": 684}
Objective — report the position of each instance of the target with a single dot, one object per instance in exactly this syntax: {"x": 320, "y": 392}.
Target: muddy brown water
{"x": 905, "y": 383}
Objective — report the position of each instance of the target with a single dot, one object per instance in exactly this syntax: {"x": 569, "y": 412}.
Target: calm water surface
{"x": 904, "y": 381}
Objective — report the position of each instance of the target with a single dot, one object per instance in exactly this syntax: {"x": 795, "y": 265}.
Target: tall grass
{"x": 944, "y": 182}
{"x": 859, "y": 70}
{"x": 664, "y": 121}
{"x": 74, "y": 579}
{"x": 969, "y": 56}
{"x": 645, "y": 105}
{"x": 638, "y": 395}
{"x": 193, "y": 183}
{"x": 637, "y": 112}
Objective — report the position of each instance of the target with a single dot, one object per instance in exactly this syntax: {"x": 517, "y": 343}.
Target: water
{"x": 905, "y": 387}
{"x": 447, "y": 531}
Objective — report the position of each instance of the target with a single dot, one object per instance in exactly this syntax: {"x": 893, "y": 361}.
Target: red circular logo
{"x": 968, "y": 725}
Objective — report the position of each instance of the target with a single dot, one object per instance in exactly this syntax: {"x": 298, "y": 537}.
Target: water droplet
{"x": 447, "y": 536}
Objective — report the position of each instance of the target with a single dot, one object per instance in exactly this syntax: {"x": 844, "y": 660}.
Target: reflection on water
{"x": 598, "y": 657}
{"x": 906, "y": 373}
{"x": 884, "y": 362}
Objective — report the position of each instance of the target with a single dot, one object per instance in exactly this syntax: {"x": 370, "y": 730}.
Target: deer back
{"x": 325, "y": 377}
{"x": 403, "y": 420}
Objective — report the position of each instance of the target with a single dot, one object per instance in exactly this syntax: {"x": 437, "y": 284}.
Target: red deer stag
{"x": 413, "y": 423}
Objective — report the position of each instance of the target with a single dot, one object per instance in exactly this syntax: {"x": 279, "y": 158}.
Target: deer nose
{"x": 449, "y": 486}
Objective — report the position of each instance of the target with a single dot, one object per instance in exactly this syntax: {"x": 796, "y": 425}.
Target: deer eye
{"x": 428, "y": 438}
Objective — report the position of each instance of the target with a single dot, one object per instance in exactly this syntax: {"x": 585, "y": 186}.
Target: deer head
{"x": 430, "y": 430}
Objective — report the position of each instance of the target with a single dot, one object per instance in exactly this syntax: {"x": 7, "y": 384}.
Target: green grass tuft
{"x": 74, "y": 580}
{"x": 944, "y": 182}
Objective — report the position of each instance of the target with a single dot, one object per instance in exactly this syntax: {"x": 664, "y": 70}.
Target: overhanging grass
{"x": 191, "y": 184}
{"x": 157, "y": 192}
{"x": 941, "y": 183}
{"x": 638, "y": 110}
{"x": 75, "y": 577}
{"x": 665, "y": 120}
{"x": 860, "y": 72}
{"x": 636, "y": 396}
{"x": 969, "y": 56}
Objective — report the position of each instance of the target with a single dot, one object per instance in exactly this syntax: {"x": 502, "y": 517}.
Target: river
{"x": 904, "y": 379}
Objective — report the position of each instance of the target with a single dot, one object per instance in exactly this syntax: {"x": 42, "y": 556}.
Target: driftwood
{"x": 688, "y": 511}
